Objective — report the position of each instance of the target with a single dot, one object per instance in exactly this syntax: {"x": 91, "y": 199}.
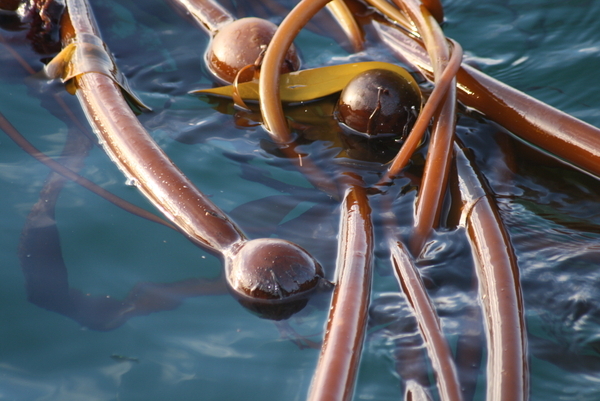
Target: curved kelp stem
{"x": 270, "y": 101}
{"x": 392, "y": 12}
{"x": 47, "y": 282}
{"x": 499, "y": 287}
{"x": 22, "y": 142}
{"x": 435, "y": 8}
{"x": 268, "y": 271}
{"x": 344, "y": 16}
{"x": 46, "y": 276}
{"x": 435, "y": 176}
{"x": 438, "y": 349}
{"x": 552, "y": 130}
{"x": 536, "y": 122}
{"x": 289, "y": 62}
{"x": 336, "y": 371}
{"x": 429, "y": 323}
{"x": 137, "y": 155}
{"x": 422, "y": 123}
{"x": 208, "y": 13}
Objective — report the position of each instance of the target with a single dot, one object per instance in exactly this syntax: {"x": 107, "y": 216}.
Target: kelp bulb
{"x": 379, "y": 101}
{"x": 272, "y": 268}
{"x": 240, "y": 44}
{"x": 273, "y": 277}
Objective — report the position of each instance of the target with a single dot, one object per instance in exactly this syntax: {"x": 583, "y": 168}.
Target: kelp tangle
{"x": 274, "y": 278}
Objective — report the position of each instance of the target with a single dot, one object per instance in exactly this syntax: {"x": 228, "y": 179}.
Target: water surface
{"x": 210, "y": 348}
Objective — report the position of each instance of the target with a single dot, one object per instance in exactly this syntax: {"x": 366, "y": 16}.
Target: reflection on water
{"x": 209, "y": 347}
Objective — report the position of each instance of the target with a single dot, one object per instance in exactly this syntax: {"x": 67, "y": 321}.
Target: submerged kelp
{"x": 446, "y": 265}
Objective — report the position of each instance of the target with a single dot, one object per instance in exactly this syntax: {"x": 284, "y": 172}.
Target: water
{"x": 210, "y": 348}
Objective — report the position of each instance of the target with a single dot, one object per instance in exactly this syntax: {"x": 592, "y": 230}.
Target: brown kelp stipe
{"x": 207, "y": 13}
{"x": 233, "y": 60}
{"x": 558, "y": 133}
{"x": 270, "y": 101}
{"x": 271, "y": 277}
{"x": 336, "y": 371}
{"x": 344, "y": 17}
{"x": 498, "y": 274}
{"x": 275, "y": 120}
{"x": 423, "y": 120}
{"x": 438, "y": 349}
{"x": 435, "y": 175}
{"x": 429, "y": 325}
{"x": 20, "y": 140}
{"x": 499, "y": 287}
{"x": 46, "y": 275}
{"x": 421, "y": 42}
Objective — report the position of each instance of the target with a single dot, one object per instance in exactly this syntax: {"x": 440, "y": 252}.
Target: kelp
{"x": 68, "y": 173}
{"x": 337, "y": 368}
{"x": 344, "y": 16}
{"x": 552, "y": 130}
{"x": 435, "y": 174}
{"x": 499, "y": 286}
{"x": 329, "y": 382}
{"x": 418, "y": 132}
{"x": 274, "y": 288}
{"x": 275, "y": 121}
{"x": 240, "y": 92}
{"x": 415, "y": 34}
{"x": 87, "y": 53}
{"x": 94, "y": 89}
{"x": 311, "y": 84}
{"x": 429, "y": 324}
{"x": 438, "y": 161}
{"x": 208, "y": 14}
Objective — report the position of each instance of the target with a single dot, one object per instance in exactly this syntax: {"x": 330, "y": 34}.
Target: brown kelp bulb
{"x": 379, "y": 101}
{"x": 273, "y": 269}
{"x": 240, "y": 44}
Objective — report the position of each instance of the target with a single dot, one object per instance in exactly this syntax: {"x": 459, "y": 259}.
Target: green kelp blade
{"x": 307, "y": 85}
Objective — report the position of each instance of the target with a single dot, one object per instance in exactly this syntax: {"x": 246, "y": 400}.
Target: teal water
{"x": 210, "y": 348}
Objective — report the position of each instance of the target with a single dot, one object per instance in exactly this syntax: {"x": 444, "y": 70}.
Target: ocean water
{"x": 209, "y": 347}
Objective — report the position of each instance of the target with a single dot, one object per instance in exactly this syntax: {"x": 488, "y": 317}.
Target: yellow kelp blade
{"x": 88, "y": 54}
{"x": 307, "y": 85}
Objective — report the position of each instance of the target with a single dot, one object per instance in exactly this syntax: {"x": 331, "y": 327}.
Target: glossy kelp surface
{"x": 210, "y": 342}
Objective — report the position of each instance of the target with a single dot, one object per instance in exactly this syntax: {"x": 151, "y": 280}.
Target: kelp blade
{"x": 89, "y": 54}
{"x": 307, "y": 85}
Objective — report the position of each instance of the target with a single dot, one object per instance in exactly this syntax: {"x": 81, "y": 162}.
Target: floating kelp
{"x": 308, "y": 85}
{"x": 452, "y": 198}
